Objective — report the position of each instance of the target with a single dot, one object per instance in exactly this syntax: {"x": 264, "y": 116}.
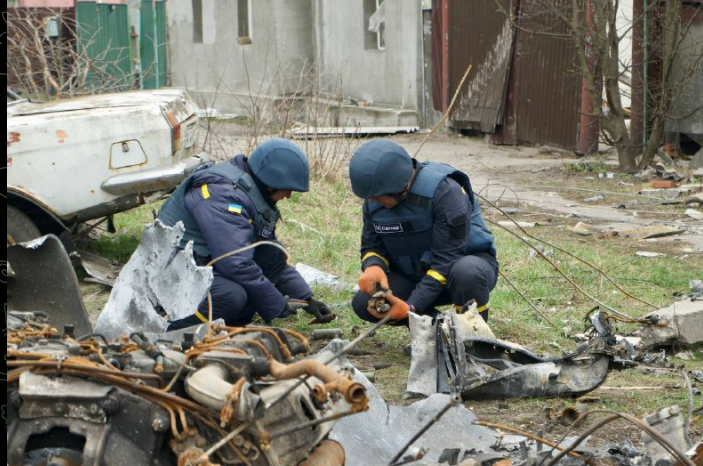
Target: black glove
{"x": 317, "y": 308}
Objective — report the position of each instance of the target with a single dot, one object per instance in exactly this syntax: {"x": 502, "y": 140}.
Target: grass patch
{"x": 129, "y": 225}
{"x": 322, "y": 229}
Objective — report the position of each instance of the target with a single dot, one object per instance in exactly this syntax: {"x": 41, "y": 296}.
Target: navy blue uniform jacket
{"x": 224, "y": 214}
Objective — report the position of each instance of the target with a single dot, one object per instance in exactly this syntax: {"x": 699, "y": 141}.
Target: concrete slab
{"x": 684, "y": 325}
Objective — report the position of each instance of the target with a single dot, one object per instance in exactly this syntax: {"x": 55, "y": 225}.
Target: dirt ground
{"x": 531, "y": 179}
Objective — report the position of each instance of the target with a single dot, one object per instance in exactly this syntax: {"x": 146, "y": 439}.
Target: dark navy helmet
{"x": 280, "y": 164}
{"x": 379, "y": 168}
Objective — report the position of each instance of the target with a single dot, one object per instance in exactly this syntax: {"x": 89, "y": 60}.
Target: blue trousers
{"x": 229, "y": 299}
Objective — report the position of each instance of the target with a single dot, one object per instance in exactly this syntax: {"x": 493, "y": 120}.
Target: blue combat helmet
{"x": 379, "y": 168}
{"x": 282, "y": 165}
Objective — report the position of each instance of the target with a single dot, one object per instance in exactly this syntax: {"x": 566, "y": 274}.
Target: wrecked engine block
{"x": 237, "y": 396}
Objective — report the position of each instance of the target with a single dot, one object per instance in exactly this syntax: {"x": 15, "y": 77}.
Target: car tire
{"x": 20, "y": 228}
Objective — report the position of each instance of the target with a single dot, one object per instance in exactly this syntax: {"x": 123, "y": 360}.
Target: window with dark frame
{"x": 197, "y": 21}
{"x": 243, "y": 20}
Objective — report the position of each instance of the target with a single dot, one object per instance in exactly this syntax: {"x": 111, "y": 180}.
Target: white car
{"x": 79, "y": 159}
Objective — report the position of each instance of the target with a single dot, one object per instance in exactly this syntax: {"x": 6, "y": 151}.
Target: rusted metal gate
{"x": 523, "y": 87}
{"x": 544, "y": 98}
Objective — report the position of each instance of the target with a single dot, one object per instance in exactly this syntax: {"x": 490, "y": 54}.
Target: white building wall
{"x": 624, "y": 23}
{"x": 219, "y": 65}
{"x": 296, "y": 43}
{"x": 378, "y": 77}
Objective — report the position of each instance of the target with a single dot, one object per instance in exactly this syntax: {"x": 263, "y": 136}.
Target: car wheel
{"x": 20, "y": 228}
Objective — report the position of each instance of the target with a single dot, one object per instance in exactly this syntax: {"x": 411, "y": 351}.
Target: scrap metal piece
{"x": 101, "y": 270}
{"x": 669, "y": 422}
{"x": 313, "y": 276}
{"x": 459, "y": 354}
{"x": 140, "y": 404}
{"x": 326, "y": 334}
{"x": 44, "y": 280}
{"x": 602, "y": 327}
{"x": 422, "y": 378}
{"x": 379, "y": 303}
{"x": 373, "y": 437}
{"x": 328, "y": 453}
{"x": 355, "y": 131}
{"x": 530, "y": 376}
{"x": 155, "y": 282}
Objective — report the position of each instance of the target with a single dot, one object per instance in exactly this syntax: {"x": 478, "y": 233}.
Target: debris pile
{"x": 239, "y": 396}
{"x": 215, "y": 395}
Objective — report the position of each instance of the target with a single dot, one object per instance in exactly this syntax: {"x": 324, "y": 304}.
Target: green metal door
{"x": 152, "y": 44}
{"x": 103, "y": 42}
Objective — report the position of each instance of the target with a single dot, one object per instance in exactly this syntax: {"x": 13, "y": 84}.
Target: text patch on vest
{"x": 388, "y": 228}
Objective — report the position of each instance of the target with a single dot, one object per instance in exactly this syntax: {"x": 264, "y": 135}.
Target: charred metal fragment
{"x": 44, "y": 280}
{"x": 465, "y": 358}
{"x": 574, "y": 374}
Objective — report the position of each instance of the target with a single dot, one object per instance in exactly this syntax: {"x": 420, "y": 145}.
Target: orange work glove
{"x": 373, "y": 279}
{"x": 399, "y": 308}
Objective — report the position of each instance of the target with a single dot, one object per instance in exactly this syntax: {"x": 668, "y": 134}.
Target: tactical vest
{"x": 174, "y": 209}
{"x": 406, "y": 229}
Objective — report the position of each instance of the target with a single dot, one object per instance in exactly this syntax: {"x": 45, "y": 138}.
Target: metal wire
{"x": 556, "y": 267}
{"x": 232, "y": 253}
{"x": 526, "y": 434}
{"x": 689, "y": 416}
{"x": 601, "y": 272}
{"x": 526, "y": 299}
{"x": 448, "y": 112}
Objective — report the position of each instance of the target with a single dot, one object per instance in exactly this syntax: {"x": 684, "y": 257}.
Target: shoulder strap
{"x": 244, "y": 181}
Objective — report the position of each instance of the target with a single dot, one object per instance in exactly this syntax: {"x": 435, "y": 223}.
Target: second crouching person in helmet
{"x": 423, "y": 235}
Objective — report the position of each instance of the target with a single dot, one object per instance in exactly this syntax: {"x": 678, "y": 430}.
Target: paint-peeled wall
{"x": 292, "y": 23}
{"x": 297, "y": 47}
{"x": 350, "y": 64}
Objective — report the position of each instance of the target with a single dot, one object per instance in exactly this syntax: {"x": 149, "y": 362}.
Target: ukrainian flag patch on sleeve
{"x": 234, "y": 208}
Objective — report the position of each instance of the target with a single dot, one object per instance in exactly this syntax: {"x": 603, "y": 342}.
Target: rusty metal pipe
{"x": 353, "y": 392}
{"x": 328, "y": 453}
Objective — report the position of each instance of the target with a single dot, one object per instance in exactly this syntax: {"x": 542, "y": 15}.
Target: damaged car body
{"x": 117, "y": 149}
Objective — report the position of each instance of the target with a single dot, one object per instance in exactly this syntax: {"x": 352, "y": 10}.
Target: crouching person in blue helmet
{"x": 423, "y": 236}
{"x": 230, "y": 205}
